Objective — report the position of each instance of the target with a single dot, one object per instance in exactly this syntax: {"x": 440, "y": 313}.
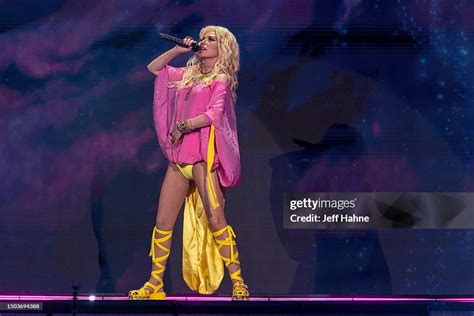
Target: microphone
{"x": 179, "y": 42}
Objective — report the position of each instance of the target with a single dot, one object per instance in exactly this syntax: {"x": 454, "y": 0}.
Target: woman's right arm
{"x": 161, "y": 61}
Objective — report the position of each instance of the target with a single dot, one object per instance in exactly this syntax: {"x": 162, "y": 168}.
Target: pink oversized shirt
{"x": 215, "y": 102}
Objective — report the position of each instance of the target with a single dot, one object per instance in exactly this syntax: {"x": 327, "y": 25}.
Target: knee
{"x": 163, "y": 224}
{"x": 217, "y": 222}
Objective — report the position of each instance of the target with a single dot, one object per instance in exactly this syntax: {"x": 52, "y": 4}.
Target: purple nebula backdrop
{"x": 82, "y": 170}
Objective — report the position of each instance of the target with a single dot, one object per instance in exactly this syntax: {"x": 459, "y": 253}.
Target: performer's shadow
{"x": 330, "y": 261}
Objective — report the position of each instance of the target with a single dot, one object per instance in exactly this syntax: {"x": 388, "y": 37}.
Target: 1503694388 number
{"x": 21, "y": 306}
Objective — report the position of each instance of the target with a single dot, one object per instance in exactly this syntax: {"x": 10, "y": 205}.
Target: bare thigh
{"x": 173, "y": 192}
{"x": 215, "y": 216}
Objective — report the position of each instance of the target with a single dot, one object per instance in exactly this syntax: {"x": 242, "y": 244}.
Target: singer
{"x": 195, "y": 122}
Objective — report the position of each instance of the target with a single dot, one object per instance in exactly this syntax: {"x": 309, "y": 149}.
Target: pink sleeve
{"x": 173, "y": 73}
{"x": 215, "y": 109}
{"x": 163, "y": 106}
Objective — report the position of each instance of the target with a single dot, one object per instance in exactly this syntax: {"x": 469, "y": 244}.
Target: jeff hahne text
{"x": 326, "y": 214}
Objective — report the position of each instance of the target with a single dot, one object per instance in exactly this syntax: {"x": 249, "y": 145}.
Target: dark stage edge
{"x": 219, "y": 305}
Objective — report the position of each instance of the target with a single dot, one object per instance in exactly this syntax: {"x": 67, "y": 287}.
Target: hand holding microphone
{"x": 185, "y": 45}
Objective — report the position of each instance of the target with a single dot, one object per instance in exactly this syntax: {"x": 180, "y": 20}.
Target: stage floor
{"x": 220, "y": 305}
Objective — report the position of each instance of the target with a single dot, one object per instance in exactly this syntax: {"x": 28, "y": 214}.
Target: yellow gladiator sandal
{"x": 240, "y": 290}
{"x": 144, "y": 293}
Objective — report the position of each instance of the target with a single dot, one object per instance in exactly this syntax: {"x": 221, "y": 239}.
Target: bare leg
{"x": 173, "y": 192}
{"x": 216, "y": 216}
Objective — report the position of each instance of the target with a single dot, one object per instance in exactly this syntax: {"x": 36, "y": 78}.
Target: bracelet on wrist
{"x": 184, "y": 127}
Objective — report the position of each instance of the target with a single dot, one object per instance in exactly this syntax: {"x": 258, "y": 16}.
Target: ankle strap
{"x": 229, "y": 229}
{"x": 227, "y": 241}
{"x": 163, "y": 232}
{"x": 234, "y": 254}
{"x": 158, "y": 241}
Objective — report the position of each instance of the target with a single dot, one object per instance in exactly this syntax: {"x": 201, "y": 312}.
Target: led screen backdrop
{"x": 334, "y": 96}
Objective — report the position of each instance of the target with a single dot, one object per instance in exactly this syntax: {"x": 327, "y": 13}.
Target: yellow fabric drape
{"x": 203, "y": 268}
{"x": 210, "y": 161}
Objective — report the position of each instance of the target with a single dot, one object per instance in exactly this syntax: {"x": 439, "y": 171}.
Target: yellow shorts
{"x": 187, "y": 171}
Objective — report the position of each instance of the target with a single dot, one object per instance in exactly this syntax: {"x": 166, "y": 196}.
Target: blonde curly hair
{"x": 227, "y": 60}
